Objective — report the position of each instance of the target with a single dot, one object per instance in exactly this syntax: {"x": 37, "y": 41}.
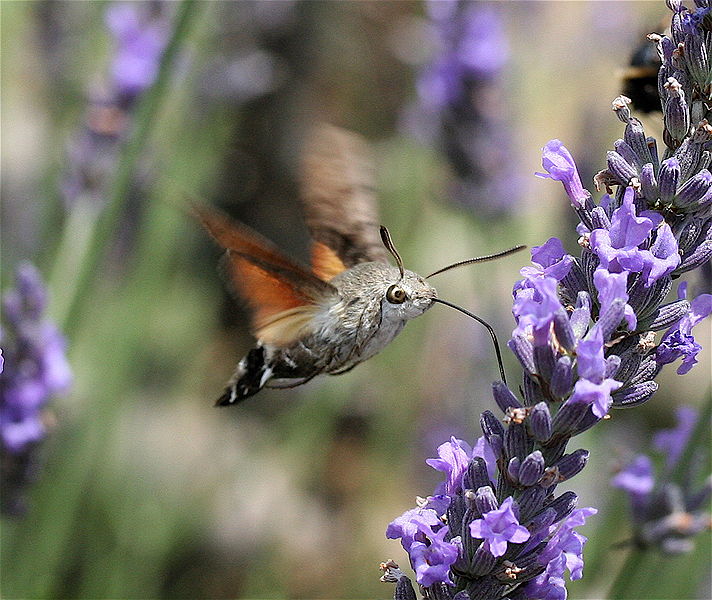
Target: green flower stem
{"x": 631, "y": 576}
{"x": 68, "y": 311}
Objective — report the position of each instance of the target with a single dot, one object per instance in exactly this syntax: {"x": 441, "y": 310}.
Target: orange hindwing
{"x": 283, "y": 295}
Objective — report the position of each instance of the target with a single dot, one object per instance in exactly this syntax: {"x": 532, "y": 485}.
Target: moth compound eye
{"x": 396, "y": 295}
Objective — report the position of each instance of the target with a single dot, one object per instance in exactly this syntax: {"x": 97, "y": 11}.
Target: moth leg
{"x": 287, "y": 386}
{"x": 346, "y": 370}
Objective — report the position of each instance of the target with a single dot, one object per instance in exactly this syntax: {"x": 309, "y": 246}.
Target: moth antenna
{"x": 487, "y": 326}
{"x": 390, "y": 246}
{"x": 479, "y": 259}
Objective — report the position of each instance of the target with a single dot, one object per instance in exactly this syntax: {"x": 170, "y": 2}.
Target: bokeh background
{"x": 143, "y": 489}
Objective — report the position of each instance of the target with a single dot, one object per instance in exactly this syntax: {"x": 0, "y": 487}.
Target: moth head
{"x": 410, "y": 295}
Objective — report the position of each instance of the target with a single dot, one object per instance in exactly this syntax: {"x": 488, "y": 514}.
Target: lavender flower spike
{"x": 665, "y": 515}
{"x": 35, "y": 369}
{"x": 585, "y": 337}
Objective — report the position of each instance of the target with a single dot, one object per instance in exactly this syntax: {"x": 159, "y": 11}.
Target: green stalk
{"x": 102, "y": 229}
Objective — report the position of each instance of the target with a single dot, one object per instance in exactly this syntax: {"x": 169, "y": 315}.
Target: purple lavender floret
{"x": 560, "y": 166}
{"x": 498, "y": 527}
{"x": 35, "y": 369}
{"x": 678, "y": 341}
{"x": 666, "y": 515}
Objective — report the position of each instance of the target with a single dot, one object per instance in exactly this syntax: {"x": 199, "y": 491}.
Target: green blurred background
{"x": 146, "y": 490}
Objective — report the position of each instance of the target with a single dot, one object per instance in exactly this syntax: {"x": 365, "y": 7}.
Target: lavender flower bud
{"x": 619, "y": 168}
{"x": 669, "y": 177}
{"x": 491, "y": 425}
{"x": 694, "y": 190}
{"x": 647, "y": 370}
{"x": 540, "y": 422}
{"x": 531, "y": 502}
{"x": 404, "y": 590}
{"x": 690, "y": 233}
{"x": 563, "y": 506}
{"x": 587, "y": 421}
{"x": 568, "y": 416}
{"x": 515, "y": 441}
{"x": 689, "y": 156}
{"x": 630, "y": 363}
{"x": 634, "y": 137}
{"x": 621, "y": 108}
{"x": 581, "y": 315}
{"x": 563, "y": 331}
{"x": 676, "y": 113}
{"x": 476, "y": 475}
{"x": 658, "y": 290}
{"x": 574, "y": 282}
{"x": 599, "y": 218}
{"x": 696, "y": 258}
{"x": 609, "y": 320}
{"x": 571, "y": 464}
{"x": 482, "y": 562}
{"x": 622, "y": 148}
{"x": 532, "y": 391}
{"x": 562, "y": 377}
{"x": 513, "y": 469}
{"x": 504, "y": 397}
{"x": 648, "y": 183}
{"x": 635, "y": 394}
{"x": 544, "y": 361}
{"x": 696, "y": 58}
{"x": 531, "y": 469}
{"x": 653, "y": 149}
{"x": 666, "y": 315}
{"x": 524, "y": 351}
{"x": 485, "y": 500}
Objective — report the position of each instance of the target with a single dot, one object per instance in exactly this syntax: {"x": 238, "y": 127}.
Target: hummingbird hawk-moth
{"x": 350, "y": 304}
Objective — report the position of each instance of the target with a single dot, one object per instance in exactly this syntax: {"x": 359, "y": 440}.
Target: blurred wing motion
{"x": 283, "y": 295}
{"x": 339, "y": 201}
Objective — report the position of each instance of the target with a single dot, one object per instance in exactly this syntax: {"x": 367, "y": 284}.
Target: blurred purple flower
{"x": 140, "y": 35}
{"x": 671, "y": 442}
{"x": 140, "y": 31}
{"x": 667, "y": 515}
{"x": 456, "y": 109}
{"x": 637, "y": 478}
{"x": 34, "y": 368}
